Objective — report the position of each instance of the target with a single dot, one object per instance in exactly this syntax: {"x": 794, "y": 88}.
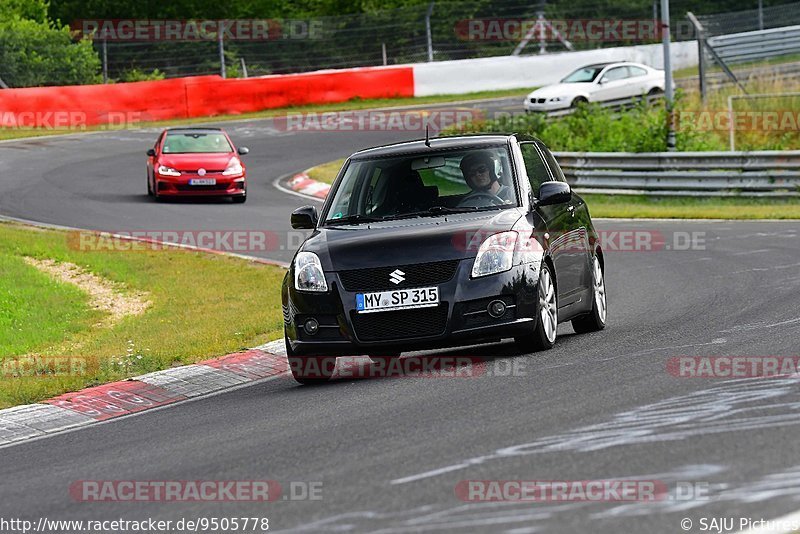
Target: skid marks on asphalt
{"x": 518, "y": 517}
{"x": 733, "y": 406}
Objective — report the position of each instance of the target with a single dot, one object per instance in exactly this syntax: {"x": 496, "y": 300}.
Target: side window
{"x": 376, "y": 194}
{"x": 534, "y": 166}
{"x": 617, "y": 73}
{"x": 637, "y": 71}
{"x": 342, "y": 207}
{"x": 554, "y": 166}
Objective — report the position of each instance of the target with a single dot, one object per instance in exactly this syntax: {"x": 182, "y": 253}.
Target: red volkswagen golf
{"x": 195, "y": 162}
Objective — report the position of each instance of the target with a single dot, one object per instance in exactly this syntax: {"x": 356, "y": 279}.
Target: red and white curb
{"x": 101, "y": 403}
{"x": 301, "y": 183}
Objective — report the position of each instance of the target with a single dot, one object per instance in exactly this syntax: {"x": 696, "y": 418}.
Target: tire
{"x": 309, "y": 370}
{"x": 239, "y": 200}
{"x": 149, "y": 188}
{"x": 579, "y": 101}
{"x": 596, "y": 319}
{"x": 545, "y": 330}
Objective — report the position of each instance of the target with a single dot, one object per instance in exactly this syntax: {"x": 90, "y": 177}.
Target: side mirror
{"x": 554, "y": 193}
{"x": 304, "y": 218}
{"x": 151, "y": 152}
{"x": 242, "y": 150}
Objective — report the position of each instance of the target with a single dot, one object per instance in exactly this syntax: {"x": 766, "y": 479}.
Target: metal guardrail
{"x": 752, "y": 174}
{"x": 757, "y": 45}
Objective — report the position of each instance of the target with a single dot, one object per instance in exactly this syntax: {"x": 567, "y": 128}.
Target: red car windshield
{"x": 196, "y": 143}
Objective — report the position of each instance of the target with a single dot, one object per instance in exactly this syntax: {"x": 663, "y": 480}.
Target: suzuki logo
{"x": 396, "y": 276}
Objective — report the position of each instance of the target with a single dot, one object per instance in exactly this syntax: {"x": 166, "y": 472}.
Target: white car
{"x": 600, "y": 82}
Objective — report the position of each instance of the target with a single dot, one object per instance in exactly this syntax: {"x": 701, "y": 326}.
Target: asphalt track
{"x": 389, "y": 452}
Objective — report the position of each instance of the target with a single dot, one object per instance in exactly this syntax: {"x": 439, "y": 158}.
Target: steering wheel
{"x": 493, "y": 200}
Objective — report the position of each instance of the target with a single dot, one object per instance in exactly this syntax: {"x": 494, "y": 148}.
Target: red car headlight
{"x": 163, "y": 170}
{"x": 234, "y": 168}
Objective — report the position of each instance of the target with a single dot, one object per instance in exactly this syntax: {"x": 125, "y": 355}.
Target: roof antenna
{"x": 427, "y": 139}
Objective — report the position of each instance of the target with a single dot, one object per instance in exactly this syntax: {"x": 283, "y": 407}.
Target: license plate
{"x": 203, "y": 181}
{"x": 399, "y": 299}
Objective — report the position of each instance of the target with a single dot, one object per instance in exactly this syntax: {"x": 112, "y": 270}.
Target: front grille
{"x": 416, "y": 275}
{"x": 187, "y": 187}
{"x": 401, "y": 324}
{"x": 542, "y": 100}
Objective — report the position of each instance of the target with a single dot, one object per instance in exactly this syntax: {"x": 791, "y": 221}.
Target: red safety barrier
{"x": 208, "y": 97}
{"x": 74, "y": 107}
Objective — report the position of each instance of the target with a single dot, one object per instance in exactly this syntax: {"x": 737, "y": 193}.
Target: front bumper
{"x": 545, "y": 106}
{"x": 179, "y": 186}
{"x": 460, "y": 319}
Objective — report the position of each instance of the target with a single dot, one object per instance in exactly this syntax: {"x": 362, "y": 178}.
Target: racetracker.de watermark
{"x": 417, "y": 120}
{"x": 43, "y": 366}
{"x": 733, "y": 366}
{"x": 237, "y": 241}
{"x": 621, "y": 240}
{"x": 425, "y": 366}
{"x": 71, "y": 120}
{"x": 766, "y": 120}
{"x": 133, "y": 30}
{"x": 194, "y": 491}
{"x": 561, "y": 490}
{"x": 573, "y": 30}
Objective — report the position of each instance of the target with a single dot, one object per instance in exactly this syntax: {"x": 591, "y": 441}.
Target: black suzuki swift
{"x": 432, "y": 244}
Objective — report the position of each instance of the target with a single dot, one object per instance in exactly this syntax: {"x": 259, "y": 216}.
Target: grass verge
{"x": 203, "y": 306}
{"x": 649, "y": 207}
{"x": 350, "y": 105}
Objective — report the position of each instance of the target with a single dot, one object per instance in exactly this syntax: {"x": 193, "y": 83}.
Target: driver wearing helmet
{"x": 478, "y": 169}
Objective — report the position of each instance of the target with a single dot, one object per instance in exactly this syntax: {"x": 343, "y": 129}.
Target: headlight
{"x": 234, "y": 167}
{"x": 308, "y": 275}
{"x": 163, "y": 170}
{"x": 556, "y": 99}
{"x": 496, "y": 254}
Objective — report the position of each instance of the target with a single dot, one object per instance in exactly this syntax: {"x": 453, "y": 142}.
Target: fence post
{"x": 244, "y": 67}
{"x": 383, "y": 53}
{"x": 428, "y": 31}
{"x": 221, "y": 47}
{"x": 668, "y": 92}
{"x": 3, "y": 84}
{"x": 105, "y": 60}
{"x": 701, "y": 52}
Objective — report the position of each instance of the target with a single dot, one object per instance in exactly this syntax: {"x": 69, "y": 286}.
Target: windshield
{"x": 424, "y": 184}
{"x": 583, "y": 75}
{"x": 195, "y": 142}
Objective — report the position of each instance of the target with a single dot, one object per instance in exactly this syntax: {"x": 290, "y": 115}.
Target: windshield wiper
{"x": 353, "y": 219}
{"x": 435, "y": 210}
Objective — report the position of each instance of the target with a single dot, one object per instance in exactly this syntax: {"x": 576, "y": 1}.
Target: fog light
{"x": 311, "y": 326}
{"x": 496, "y": 308}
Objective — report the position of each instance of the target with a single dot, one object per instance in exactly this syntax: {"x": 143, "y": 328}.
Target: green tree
{"x": 34, "y": 51}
